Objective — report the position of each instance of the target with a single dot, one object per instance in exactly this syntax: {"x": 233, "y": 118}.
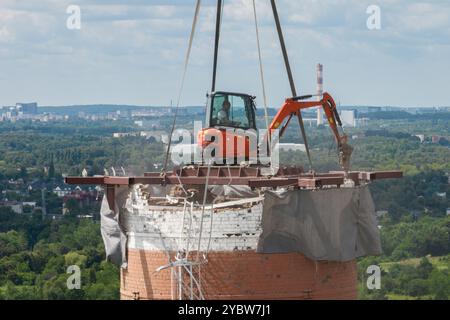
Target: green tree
{"x": 12, "y": 242}
{"x": 51, "y": 169}
{"x": 425, "y": 268}
{"x": 440, "y": 284}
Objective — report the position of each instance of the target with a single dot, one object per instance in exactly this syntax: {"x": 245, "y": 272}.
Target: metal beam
{"x": 320, "y": 182}
{"x": 85, "y": 180}
{"x": 239, "y": 176}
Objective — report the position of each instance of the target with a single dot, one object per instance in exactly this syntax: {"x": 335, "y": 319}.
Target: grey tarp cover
{"x": 113, "y": 234}
{"x": 330, "y": 224}
{"x": 240, "y": 192}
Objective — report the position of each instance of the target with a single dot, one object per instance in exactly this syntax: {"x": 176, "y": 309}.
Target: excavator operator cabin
{"x": 231, "y": 110}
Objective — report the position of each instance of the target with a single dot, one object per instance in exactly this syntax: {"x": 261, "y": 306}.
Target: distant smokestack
{"x": 319, "y": 92}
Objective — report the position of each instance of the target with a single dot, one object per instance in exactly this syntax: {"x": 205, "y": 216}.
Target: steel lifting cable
{"x": 290, "y": 77}
{"x": 220, "y": 5}
{"x": 263, "y": 85}
{"x": 186, "y": 63}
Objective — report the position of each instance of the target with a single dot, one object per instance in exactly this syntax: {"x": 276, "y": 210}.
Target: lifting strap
{"x": 291, "y": 78}
{"x": 261, "y": 72}
{"x": 186, "y": 63}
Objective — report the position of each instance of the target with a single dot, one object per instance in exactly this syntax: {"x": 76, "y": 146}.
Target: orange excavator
{"x": 231, "y": 119}
{"x": 230, "y": 130}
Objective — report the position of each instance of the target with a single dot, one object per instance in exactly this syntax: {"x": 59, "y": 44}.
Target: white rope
{"x": 261, "y": 71}
{"x": 186, "y": 203}
{"x": 180, "y": 183}
{"x": 212, "y": 213}
{"x": 184, "y": 216}
{"x": 188, "y": 53}
{"x": 189, "y": 230}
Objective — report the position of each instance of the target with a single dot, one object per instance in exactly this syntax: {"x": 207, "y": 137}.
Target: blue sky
{"x": 131, "y": 52}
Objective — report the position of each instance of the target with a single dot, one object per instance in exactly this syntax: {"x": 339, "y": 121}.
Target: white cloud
{"x": 150, "y": 36}
{"x": 426, "y": 16}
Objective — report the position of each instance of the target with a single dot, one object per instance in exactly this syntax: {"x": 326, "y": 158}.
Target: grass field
{"x": 441, "y": 263}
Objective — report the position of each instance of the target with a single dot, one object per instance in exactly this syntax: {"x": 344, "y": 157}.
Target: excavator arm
{"x": 293, "y": 106}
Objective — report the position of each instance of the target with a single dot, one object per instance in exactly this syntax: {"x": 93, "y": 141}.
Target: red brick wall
{"x": 244, "y": 275}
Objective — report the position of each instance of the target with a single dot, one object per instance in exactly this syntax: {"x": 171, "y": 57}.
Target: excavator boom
{"x": 293, "y": 106}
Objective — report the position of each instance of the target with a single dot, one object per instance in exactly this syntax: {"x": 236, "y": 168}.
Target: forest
{"x": 36, "y": 253}
{"x": 35, "y": 250}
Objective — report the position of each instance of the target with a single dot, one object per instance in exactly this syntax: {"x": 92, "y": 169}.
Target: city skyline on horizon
{"x": 260, "y": 107}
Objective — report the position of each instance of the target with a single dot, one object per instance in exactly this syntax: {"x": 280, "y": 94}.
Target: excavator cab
{"x": 230, "y": 122}
{"x": 231, "y": 110}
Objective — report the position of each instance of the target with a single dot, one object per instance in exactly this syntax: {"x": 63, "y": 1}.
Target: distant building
{"x": 421, "y": 137}
{"x": 159, "y": 136}
{"x": 15, "y": 206}
{"x": 150, "y": 124}
{"x": 440, "y": 139}
{"x": 435, "y": 139}
{"x": 448, "y": 211}
{"x": 348, "y": 118}
{"x": 124, "y": 134}
{"x": 87, "y": 216}
{"x": 29, "y": 204}
{"x": 361, "y": 122}
{"x": 381, "y": 213}
{"x": 27, "y": 108}
{"x": 61, "y": 192}
{"x": 374, "y": 109}
{"x": 83, "y": 198}
{"x": 291, "y": 147}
